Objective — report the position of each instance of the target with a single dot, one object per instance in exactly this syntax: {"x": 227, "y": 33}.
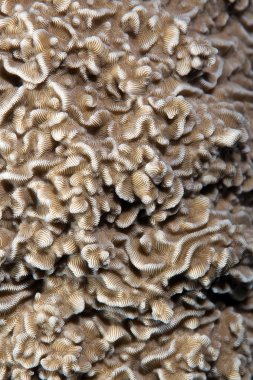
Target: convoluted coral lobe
{"x": 126, "y": 184}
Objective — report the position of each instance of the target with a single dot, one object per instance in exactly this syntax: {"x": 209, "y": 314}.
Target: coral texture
{"x": 126, "y": 182}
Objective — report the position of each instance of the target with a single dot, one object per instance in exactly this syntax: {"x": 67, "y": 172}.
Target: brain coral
{"x": 126, "y": 189}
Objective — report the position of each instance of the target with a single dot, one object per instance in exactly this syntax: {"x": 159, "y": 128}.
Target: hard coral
{"x": 126, "y": 185}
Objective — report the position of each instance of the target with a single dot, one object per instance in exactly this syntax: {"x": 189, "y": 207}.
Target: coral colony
{"x": 126, "y": 182}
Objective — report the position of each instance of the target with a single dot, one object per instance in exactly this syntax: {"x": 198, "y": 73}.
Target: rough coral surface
{"x": 126, "y": 182}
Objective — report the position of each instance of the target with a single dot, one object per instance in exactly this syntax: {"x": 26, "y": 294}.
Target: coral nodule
{"x": 126, "y": 189}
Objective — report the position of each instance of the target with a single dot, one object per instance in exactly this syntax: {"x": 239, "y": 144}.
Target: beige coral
{"x": 126, "y": 189}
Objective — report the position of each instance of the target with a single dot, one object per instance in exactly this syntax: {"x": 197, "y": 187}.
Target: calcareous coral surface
{"x": 126, "y": 189}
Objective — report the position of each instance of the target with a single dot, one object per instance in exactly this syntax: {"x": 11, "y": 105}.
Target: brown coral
{"x": 126, "y": 186}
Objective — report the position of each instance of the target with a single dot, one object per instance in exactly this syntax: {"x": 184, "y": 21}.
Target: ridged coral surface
{"x": 126, "y": 189}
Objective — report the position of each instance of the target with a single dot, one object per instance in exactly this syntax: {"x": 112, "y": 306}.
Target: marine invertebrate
{"x": 126, "y": 184}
